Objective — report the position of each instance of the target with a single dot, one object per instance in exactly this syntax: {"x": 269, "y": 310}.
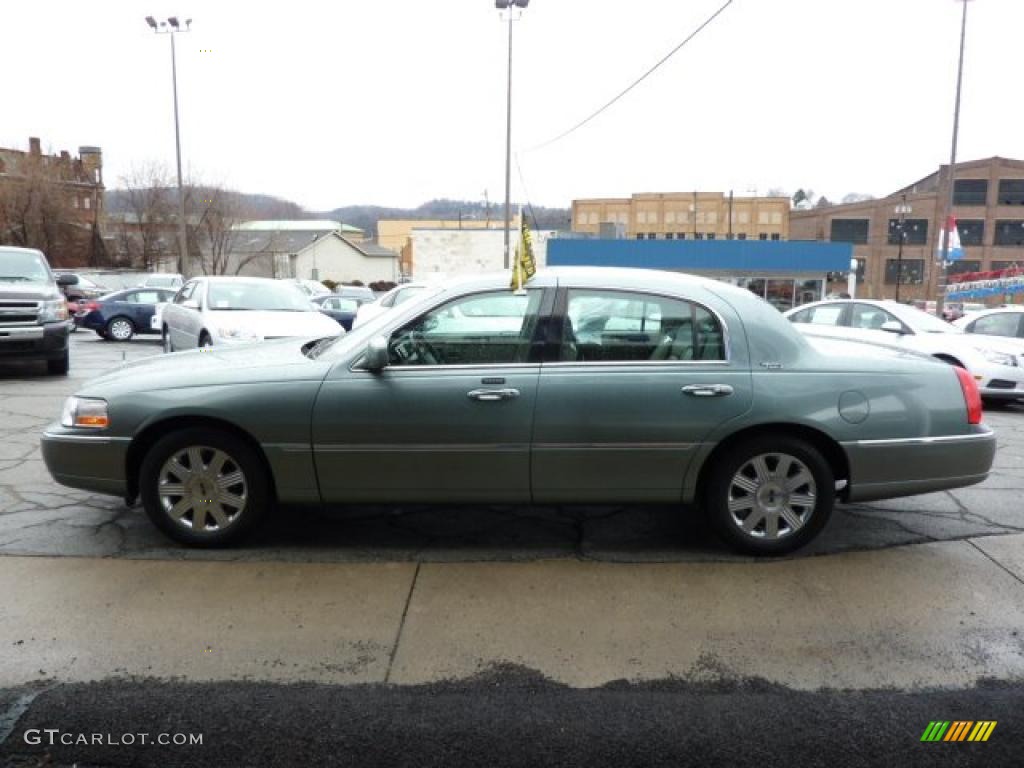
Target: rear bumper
{"x": 48, "y": 341}
{"x": 90, "y": 462}
{"x": 883, "y": 469}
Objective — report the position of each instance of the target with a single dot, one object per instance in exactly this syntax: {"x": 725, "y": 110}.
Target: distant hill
{"x": 365, "y": 216}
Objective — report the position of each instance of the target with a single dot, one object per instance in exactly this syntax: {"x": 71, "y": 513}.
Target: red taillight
{"x": 972, "y": 397}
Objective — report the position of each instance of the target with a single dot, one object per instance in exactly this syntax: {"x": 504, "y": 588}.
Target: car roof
{"x": 604, "y": 277}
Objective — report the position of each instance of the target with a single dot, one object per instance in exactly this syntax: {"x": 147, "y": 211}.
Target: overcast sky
{"x": 395, "y": 102}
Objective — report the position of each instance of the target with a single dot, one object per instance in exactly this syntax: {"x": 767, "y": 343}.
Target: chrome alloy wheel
{"x": 202, "y": 488}
{"x": 120, "y": 329}
{"x": 772, "y": 496}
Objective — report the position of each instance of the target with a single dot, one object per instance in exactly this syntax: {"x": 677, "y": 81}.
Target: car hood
{"x": 14, "y": 291}
{"x": 281, "y": 360}
{"x": 270, "y": 324}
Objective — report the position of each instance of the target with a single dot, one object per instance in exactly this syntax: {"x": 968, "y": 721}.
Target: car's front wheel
{"x": 166, "y": 338}
{"x": 770, "y": 495}
{"x": 204, "y": 487}
{"x": 120, "y": 329}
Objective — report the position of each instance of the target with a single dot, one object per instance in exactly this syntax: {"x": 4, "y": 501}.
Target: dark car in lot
{"x": 341, "y": 307}
{"x": 120, "y": 315}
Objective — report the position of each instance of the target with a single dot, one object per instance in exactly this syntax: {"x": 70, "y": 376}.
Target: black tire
{"x": 773, "y": 494}
{"x": 119, "y": 328}
{"x": 241, "y": 519}
{"x": 165, "y": 339}
{"x": 60, "y": 366}
{"x": 102, "y": 335}
{"x": 205, "y": 340}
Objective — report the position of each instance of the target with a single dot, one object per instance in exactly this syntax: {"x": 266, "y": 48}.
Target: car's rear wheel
{"x": 59, "y": 366}
{"x": 770, "y": 495}
{"x": 203, "y": 487}
{"x": 205, "y": 340}
{"x": 166, "y": 339}
{"x": 120, "y": 329}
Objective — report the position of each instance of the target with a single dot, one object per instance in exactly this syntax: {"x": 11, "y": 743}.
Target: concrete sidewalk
{"x": 940, "y": 614}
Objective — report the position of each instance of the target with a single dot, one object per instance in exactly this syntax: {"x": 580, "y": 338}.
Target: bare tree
{"x": 146, "y": 234}
{"x": 35, "y": 208}
{"x": 857, "y": 197}
{"x": 216, "y": 244}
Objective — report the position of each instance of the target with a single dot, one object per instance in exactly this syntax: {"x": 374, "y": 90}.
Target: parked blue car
{"x": 340, "y": 307}
{"x": 120, "y": 315}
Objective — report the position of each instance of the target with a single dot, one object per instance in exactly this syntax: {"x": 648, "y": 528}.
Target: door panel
{"x": 410, "y": 435}
{"x": 647, "y": 380}
{"x": 450, "y": 417}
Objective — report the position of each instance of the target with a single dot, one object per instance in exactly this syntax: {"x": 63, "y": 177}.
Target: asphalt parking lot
{"x": 917, "y": 596}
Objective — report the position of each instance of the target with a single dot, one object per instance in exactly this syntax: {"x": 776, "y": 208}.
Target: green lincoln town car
{"x": 590, "y": 386}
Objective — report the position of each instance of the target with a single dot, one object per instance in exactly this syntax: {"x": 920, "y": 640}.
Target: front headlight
{"x": 237, "y": 334}
{"x": 999, "y": 358}
{"x": 53, "y": 311}
{"x": 89, "y": 412}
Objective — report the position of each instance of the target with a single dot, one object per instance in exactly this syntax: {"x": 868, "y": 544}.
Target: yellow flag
{"x": 525, "y": 266}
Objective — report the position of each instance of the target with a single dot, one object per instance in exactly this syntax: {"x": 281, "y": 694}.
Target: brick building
{"x": 53, "y": 202}
{"x": 988, "y": 203}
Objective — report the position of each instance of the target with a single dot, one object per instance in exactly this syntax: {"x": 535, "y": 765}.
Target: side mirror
{"x": 67, "y": 280}
{"x": 376, "y": 356}
{"x": 190, "y": 304}
{"x": 892, "y": 326}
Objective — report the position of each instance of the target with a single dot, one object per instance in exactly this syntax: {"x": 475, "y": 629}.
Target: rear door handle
{"x": 707, "y": 390}
{"x": 493, "y": 395}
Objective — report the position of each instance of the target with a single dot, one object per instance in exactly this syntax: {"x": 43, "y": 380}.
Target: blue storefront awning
{"x": 727, "y": 257}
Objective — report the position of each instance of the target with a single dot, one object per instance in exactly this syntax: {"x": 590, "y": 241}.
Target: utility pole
{"x": 508, "y": 5}
{"x": 172, "y": 27}
{"x": 902, "y": 209}
{"x": 940, "y": 298}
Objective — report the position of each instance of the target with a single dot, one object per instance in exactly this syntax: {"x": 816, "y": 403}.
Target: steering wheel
{"x": 414, "y": 349}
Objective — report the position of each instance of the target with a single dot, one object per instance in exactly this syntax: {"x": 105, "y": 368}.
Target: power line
{"x": 636, "y": 82}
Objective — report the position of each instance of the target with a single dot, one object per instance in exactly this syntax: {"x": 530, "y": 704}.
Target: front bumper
{"x": 883, "y": 469}
{"x": 91, "y": 462}
{"x": 48, "y": 341}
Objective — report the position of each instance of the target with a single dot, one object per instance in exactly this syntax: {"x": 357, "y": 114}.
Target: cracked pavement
{"x": 39, "y": 517}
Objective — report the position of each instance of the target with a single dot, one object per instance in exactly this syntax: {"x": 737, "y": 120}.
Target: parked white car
{"x": 311, "y": 287}
{"x": 397, "y": 295}
{"x": 1005, "y": 322}
{"x": 164, "y": 280}
{"x": 997, "y": 364}
{"x": 212, "y": 311}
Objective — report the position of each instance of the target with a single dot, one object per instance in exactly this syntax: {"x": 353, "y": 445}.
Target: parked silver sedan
{"x": 589, "y": 386}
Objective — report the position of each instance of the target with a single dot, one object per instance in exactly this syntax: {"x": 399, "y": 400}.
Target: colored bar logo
{"x": 958, "y": 730}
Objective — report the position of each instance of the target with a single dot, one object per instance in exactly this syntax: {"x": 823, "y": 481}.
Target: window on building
{"x": 1011, "y": 192}
{"x": 741, "y": 236}
{"x": 711, "y": 235}
{"x": 776, "y": 236}
{"x": 639, "y": 235}
{"x": 776, "y": 217}
{"x": 862, "y": 265}
{"x": 970, "y": 191}
{"x": 915, "y": 230}
{"x": 680, "y": 235}
{"x": 972, "y": 231}
{"x": 849, "y": 231}
{"x": 1006, "y": 264}
{"x": 74, "y": 200}
{"x": 698, "y": 236}
{"x": 86, "y": 203}
{"x": 963, "y": 266}
{"x": 744, "y": 217}
{"x": 670, "y": 236}
{"x": 912, "y": 272}
{"x": 1009, "y": 232}
{"x": 763, "y": 217}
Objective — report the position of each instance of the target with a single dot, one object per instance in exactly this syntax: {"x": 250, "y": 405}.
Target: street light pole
{"x": 171, "y": 27}
{"x": 508, "y": 5}
{"x": 902, "y": 209}
{"x": 940, "y": 299}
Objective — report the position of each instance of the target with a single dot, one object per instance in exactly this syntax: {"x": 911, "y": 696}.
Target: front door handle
{"x": 493, "y": 395}
{"x": 707, "y": 390}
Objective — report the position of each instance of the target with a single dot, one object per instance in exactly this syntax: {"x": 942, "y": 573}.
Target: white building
{"x": 440, "y": 253}
{"x": 316, "y": 250}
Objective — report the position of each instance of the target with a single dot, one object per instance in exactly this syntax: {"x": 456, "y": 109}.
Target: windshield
{"x": 282, "y": 297}
{"x": 404, "y": 294}
{"x": 921, "y": 321}
{"x": 23, "y": 268}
